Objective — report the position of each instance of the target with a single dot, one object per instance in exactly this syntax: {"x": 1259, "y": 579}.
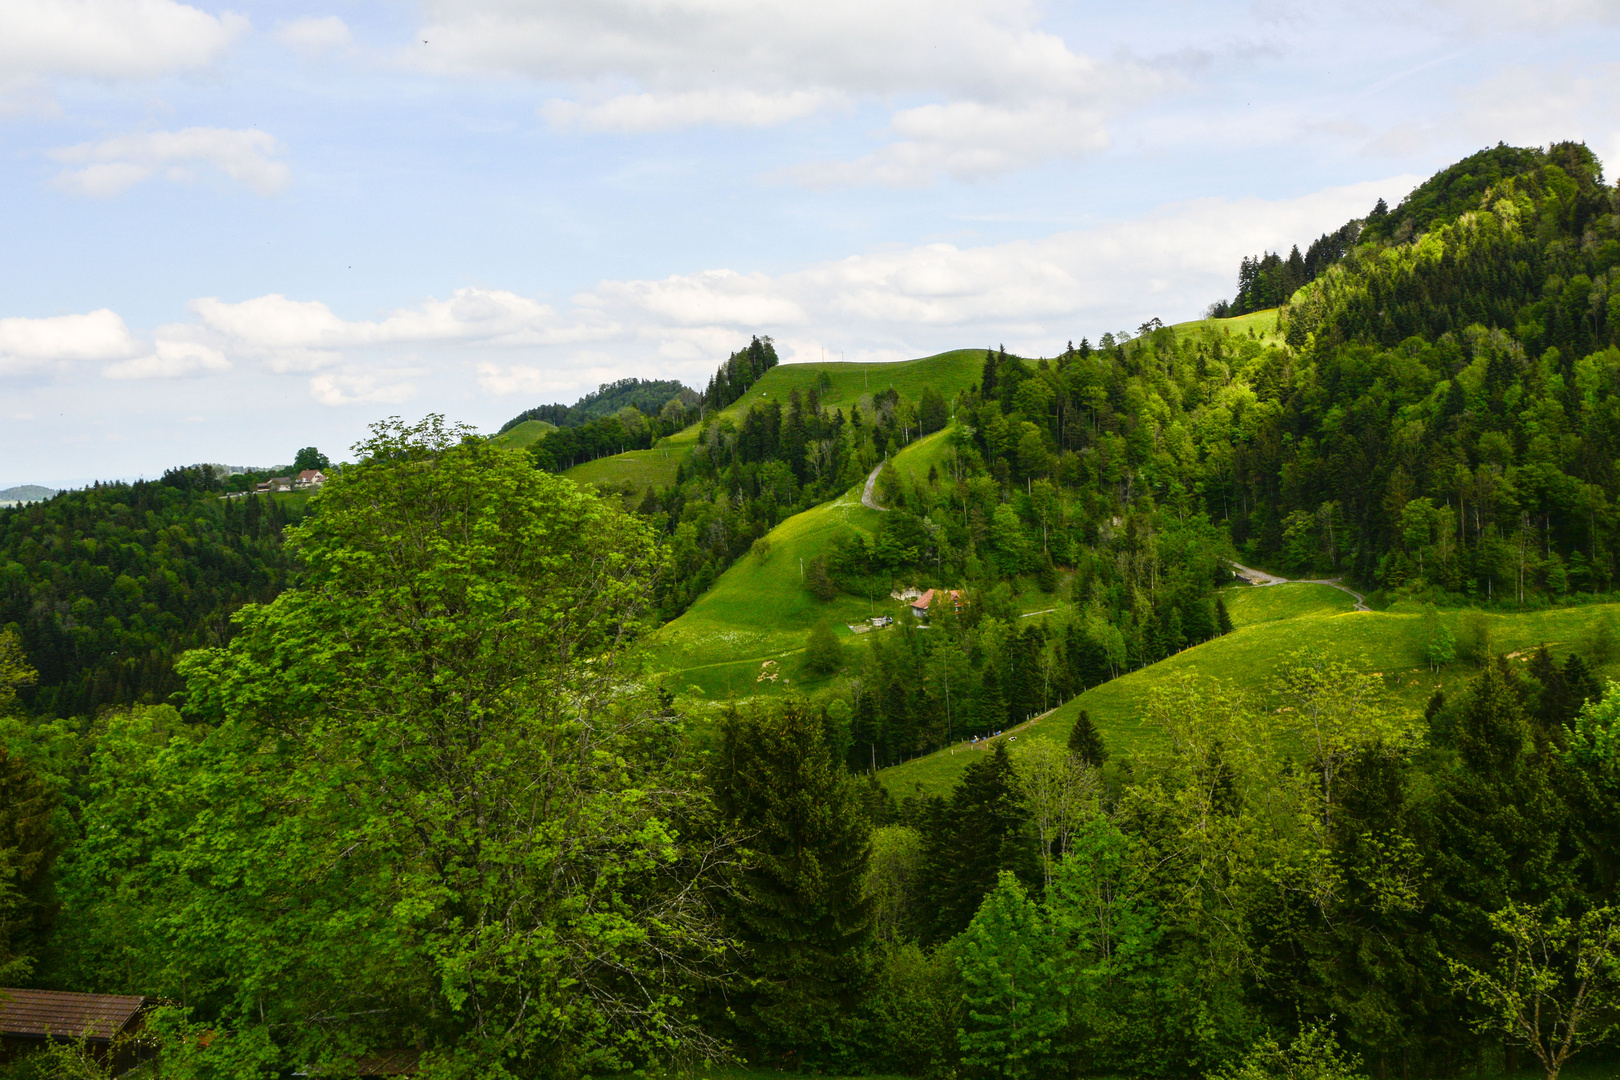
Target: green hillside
{"x": 759, "y": 609}
{"x": 1274, "y": 621}
{"x": 840, "y": 386}
{"x": 524, "y": 434}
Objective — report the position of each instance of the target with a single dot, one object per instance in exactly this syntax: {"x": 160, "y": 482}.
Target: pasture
{"x": 1273, "y": 621}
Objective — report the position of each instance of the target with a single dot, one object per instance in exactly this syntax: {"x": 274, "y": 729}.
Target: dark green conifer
{"x": 1085, "y": 741}
{"x": 1223, "y": 621}
{"x": 980, "y": 831}
{"x": 798, "y": 915}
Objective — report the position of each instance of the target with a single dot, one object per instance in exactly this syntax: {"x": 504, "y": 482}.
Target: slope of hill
{"x": 524, "y": 433}
{"x": 760, "y": 610}
{"x": 1272, "y": 622}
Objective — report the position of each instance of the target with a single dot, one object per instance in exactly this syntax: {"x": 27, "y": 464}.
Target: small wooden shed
{"x": 29, "y": 1017}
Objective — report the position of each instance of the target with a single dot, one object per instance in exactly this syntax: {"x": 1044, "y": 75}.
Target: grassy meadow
{"x": 524, "y": 434}
{"x": 759, "y": 609}
{"x": 1272, "y": 621}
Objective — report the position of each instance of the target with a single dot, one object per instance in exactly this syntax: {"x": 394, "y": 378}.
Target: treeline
{"x": 1267, "y": 280}
{"x": 741, "y": 370}
{"x": 109, "y": 585}
{"x": 649, "y": 396}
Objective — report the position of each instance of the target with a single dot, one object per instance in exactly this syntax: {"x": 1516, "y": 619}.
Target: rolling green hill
{"x": 523, "y": 434}
{"x": 759, "y": 609}
{"x": 1270, "y": 623}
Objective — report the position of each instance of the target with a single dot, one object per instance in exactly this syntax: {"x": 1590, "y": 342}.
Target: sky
{"x": 232, "y": 231}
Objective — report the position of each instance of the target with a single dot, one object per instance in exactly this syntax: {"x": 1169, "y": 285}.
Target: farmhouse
{"x": 275, "y": 484}
{"x": 920, "y": 606}
{"x": 309, "y": 478}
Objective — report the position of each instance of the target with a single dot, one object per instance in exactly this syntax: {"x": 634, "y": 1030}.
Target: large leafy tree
{"x": 425, "y": 813}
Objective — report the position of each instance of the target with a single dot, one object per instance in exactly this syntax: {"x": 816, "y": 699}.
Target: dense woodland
{"x": 378, "y": 780}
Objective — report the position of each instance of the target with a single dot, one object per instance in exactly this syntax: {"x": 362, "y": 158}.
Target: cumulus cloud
{"x": 968, "y": 141}
{"x": 306, "y": 335}
{"x": 359, "y": 388}
{"x": 34, "y": 345}
{"x": 632, "y": 113}
{"x": 106, "y": 39}
{"x": 314, "y": 36}
{"x": 170, "y": 360}
{"x": 111, "y": 166}
{"x": 882, "y": 305}
{"x": 998, "y": 92}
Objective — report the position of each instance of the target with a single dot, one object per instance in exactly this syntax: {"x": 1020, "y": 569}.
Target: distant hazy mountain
{"x": 25, "y": 493}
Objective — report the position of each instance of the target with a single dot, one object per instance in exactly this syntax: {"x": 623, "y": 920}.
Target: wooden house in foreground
{"x": 28, "y": 1018}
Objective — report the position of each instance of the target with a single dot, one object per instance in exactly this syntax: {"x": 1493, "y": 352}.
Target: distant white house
{"x": 309, "y": 478}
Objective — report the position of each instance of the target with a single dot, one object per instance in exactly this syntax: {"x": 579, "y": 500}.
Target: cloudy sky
{"x": 233, "y": 231}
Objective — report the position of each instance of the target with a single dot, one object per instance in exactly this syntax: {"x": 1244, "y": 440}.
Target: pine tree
{"x": 798, "y": 914}
{"x": 1223, "y": 621}
{"x": 1085, "y": 741}
{"x": 1046, "y": 576}
{"x": 990, "y": 710}
{"x": 982, "y": 830}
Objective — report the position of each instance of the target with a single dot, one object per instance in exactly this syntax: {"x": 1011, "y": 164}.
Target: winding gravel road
{"x": 866, "y": 496}
{"x": 1260, "y": 577}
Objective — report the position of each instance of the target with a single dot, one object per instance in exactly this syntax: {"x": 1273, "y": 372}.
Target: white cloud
{"x": 882, "y": 305}
{"x": 359, "y": 389}
{"x": 967, "y": 140}
{"x": 314, "y": 36}
{"x": 170, "y": 360}
{"x": 982, "y": 89}
{"x": 34, "y": 345}
{"x": 630, "y": 113}
{"x": 106, "y": 39}
{"x": 113, "y": 165}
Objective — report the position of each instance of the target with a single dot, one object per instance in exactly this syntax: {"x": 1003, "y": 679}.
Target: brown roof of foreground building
{"x": 44, "y": 1013}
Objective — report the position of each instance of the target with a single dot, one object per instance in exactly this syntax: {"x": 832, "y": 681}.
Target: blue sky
{"x": 234, "y": 231}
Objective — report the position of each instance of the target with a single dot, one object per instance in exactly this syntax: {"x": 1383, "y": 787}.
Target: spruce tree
{"x": 1085, "y": 741}
{"x": 982, "y": 830}
{"x": 28, "y": 847}
{"x": 797, "y": 911}
{"x": 990, "y": 710}
{"x": 1223, "y": 621}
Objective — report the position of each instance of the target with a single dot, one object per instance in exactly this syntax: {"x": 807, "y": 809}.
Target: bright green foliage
{"x": 1014, "y": 1009}
{"x": 1313, "y": 1055}
{"x": 310, "y": 458}
{"x": 800, "y": 917}
{"x": 421, "y": 814}
{"x": 894, "y": 882}
{"x": 1555, "y": 985}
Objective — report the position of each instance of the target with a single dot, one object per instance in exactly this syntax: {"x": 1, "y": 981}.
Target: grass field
{"x": 1270, "y": 623}
{"x": 632, "y": 472}
{"x": 523, "y": 434}
{"x": 759, "y": 609}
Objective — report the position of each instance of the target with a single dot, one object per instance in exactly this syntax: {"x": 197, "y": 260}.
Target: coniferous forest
{"x": 380, "y": 777}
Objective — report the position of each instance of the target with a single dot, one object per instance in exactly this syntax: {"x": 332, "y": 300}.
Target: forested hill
{"x": 107, "y": 586}
{"x": 647, "y": 395}
{"x": 1446, "y": 414}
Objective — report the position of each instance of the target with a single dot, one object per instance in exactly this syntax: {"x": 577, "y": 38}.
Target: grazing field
{"x": 759, "y": 609}
{"x": 1273, "y": 621}
{"x": 947, "y": 372}
{"x": 630, "y": 474}
{"x": 523, "y": 434}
